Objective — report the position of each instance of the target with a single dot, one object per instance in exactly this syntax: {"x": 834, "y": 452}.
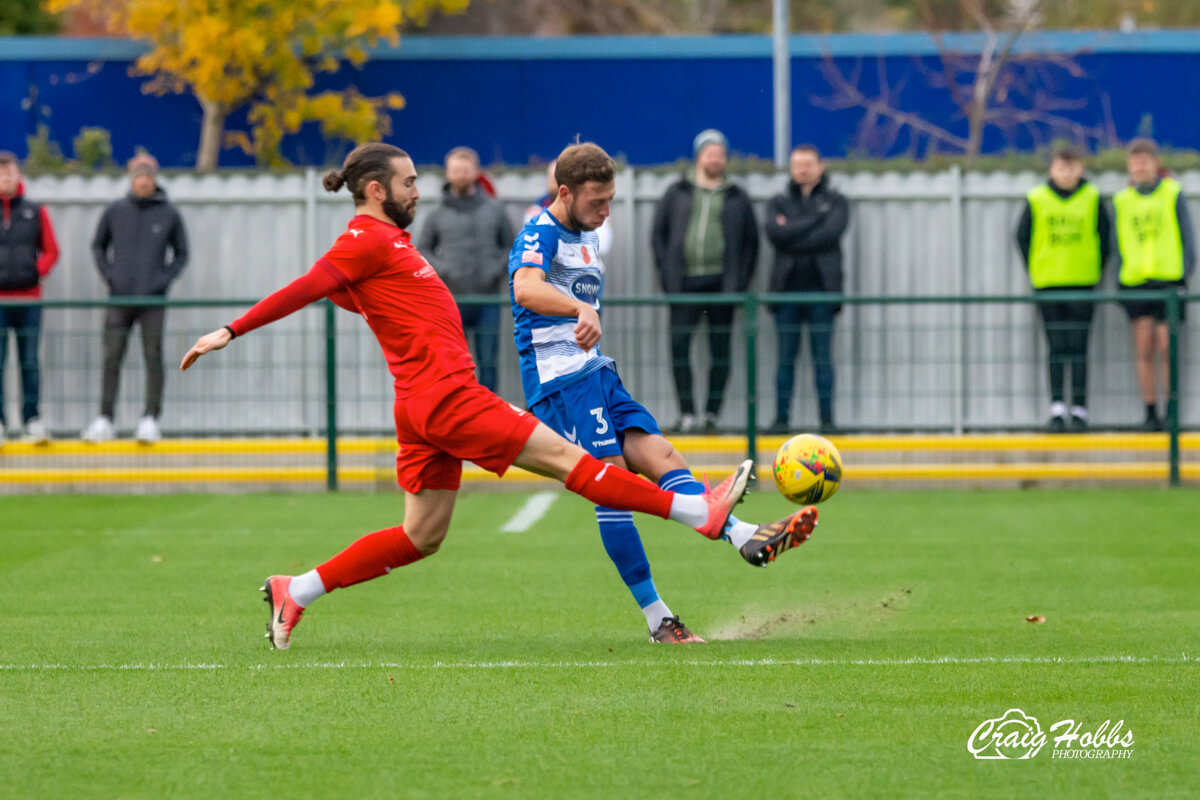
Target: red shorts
{"x": 439, "y": 431}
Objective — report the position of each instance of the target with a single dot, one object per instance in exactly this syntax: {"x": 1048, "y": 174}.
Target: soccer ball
{"x": 808, "y": 469}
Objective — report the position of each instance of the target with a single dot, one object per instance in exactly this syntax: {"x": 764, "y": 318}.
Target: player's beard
{"x": 397, "y": 213}
{"x": 573, "y": 221}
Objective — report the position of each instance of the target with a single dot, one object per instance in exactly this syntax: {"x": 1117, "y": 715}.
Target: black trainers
{"x": 1058, "y": 425}
{"x": 1152, "y": 424}
{"x": 672, "y": 631}
{"x": 778, "y": 537}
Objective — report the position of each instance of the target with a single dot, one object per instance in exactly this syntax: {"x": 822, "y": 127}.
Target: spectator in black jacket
{"x": 140, "y": 248}
{"x": 806, "y": 224}
{"x": 705, "y": 240}
{"x": 28, "y": 251}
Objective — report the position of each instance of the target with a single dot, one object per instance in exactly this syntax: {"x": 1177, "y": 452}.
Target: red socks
{"x": 369, "y": 557}
{"x": 609, "y": 485}
{"x": 380, "y": 552}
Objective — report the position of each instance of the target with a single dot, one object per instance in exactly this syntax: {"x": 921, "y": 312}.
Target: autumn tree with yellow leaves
{"x": 264, "y": 55}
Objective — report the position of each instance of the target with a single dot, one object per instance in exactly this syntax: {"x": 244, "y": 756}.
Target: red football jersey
{"x": 407, "y": 305}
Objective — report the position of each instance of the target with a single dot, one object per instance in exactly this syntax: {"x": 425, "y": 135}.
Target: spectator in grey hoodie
{"x": 140, "y": 248}
{"x": 467, "y": 238}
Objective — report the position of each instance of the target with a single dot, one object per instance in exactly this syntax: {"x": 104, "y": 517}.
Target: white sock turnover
{"x": 741, "y": 532}
{"x": 306, "y": 588}
{"x": 655, "y": 612}
{"x": 690, "y": 509}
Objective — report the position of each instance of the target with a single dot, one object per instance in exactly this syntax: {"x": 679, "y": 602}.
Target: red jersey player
{"x": 443, "y": 416}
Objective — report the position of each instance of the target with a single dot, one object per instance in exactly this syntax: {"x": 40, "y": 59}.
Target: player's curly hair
{"x": 581, "y": 163}
{"x": 367, "y": 162}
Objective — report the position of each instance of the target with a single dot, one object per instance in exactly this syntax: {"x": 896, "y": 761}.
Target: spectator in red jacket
{"x": 27, "y": 254}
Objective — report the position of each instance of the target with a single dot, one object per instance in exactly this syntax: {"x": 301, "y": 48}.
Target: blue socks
{"x": 682, "y": 481}
{"x": 624, "y": 547}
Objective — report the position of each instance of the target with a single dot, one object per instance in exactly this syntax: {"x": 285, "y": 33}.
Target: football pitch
{"x": 515, "y": 664}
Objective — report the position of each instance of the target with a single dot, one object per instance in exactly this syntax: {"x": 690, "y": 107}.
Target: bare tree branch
{"x": 850, "y": 96}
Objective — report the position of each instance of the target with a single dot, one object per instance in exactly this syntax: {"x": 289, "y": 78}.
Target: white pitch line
{"x": 528, "y": 515}
{"x": 498, "y": 665}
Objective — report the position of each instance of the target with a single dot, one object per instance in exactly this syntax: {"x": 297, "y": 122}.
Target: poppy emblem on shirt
{"x": 583, "y": 251}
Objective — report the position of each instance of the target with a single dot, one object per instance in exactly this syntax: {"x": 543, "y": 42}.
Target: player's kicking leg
{"x": 548, "y": 454}
{"x": 654, "y": 456}
{"x": 426, "y": 520}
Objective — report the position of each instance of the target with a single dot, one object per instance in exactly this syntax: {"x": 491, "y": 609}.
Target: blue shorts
{"x": 595, "y": 412}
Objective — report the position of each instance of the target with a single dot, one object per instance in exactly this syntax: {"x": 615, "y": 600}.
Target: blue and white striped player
{"x": 556, "y": 279}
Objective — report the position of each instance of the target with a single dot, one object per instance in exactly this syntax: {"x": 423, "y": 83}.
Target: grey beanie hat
{"x": 707, "y": 137}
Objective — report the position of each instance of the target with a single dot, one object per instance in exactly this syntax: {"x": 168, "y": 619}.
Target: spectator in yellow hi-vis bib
{"x": 1064, "y": 234}
{"x": 1157, "y": 251}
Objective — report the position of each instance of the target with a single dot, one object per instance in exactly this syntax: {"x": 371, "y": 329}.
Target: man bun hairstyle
{"x": 584, "y": 162}
{"x": 366, "y": 163}
{"x": 333, "y": 180}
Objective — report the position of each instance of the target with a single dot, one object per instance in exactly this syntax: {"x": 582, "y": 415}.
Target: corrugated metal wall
{"x": 923, "y": 366}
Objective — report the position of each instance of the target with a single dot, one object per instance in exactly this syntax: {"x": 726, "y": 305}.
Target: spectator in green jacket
{"x": 705, "y": 240}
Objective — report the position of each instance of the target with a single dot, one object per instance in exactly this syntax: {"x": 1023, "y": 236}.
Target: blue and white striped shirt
{"x": 550, "y": 359}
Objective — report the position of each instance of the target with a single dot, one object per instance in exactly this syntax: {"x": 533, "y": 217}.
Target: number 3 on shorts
{"x": 601, "y": 422}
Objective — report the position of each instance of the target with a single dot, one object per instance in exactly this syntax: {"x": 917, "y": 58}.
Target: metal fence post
{"x": 331, "y": 454}
{"x": 1173, "y": 318}
{"x": 750, "y": 311}
{"x": 312, "y": 411}
{"x": 958, "y": 248}
{"x": 629, "y": 175}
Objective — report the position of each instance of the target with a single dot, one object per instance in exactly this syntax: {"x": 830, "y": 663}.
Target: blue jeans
{"x": 789, "y": 319}
{"x": 485, "y": 321}
{"x": 26, "y": 322}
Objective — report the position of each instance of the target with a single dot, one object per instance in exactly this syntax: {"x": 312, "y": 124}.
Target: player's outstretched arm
{"x": 319, "y": 282}
{"x": 531, "y": 290}
{"x": 206, "y": 343}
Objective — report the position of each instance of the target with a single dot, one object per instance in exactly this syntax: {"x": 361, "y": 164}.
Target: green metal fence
{"x": 939, "y": 364}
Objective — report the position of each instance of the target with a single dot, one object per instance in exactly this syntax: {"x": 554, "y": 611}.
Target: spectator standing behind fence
{"x": 27, "y": 254}
{"x": 140, "y": 248}
{"x": 806, "y": 224}
{"x": 1064, "y": 235}
{"x": 1157, "y": 251}
{"x": 705, "y": 240}
{"x": 467, "y": 238}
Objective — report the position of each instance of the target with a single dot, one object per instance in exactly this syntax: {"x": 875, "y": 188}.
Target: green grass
{"x": 515, "y": 665}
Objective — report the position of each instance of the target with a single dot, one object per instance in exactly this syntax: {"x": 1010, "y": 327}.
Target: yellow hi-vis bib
{"x": 1065, "y": 247}
{"x": 1148, "y": 234}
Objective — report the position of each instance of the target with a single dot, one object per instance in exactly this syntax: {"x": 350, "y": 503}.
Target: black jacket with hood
{"x": 669, "y": 235}
{"x": 810, "y": 236}
{"x": 131, "y": 244}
